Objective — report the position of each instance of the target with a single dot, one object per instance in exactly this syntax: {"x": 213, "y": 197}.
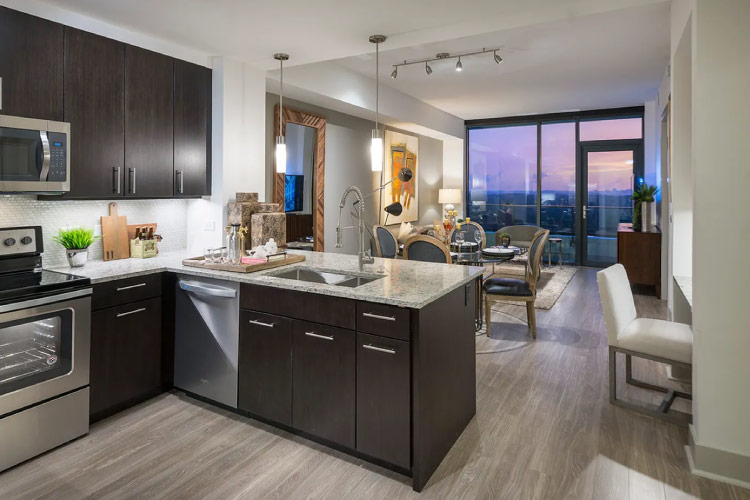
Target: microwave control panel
{"x": 58, "y": 166}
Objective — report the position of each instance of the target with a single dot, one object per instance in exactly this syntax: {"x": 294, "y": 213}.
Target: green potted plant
{"x": 505, "y": 239}
{"x": 76, "y": 242}
{"x": 643, "y": 197}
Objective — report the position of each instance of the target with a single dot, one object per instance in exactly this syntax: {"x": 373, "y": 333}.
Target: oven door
{"x": 44, "y": 348}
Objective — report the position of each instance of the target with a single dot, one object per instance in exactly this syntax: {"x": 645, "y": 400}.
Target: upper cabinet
{"x": 192, "y": 129}
{"x": 149, "y": 124}
{"x": 95, "y": 109}
{"x": 31, "y": 66}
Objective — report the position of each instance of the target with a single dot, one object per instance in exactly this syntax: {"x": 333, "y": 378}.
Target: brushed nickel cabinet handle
{"x": 378, "y": 316}
{"x": 130, "y": 287}
{"x": 131, "y": 172}
{"x": 180, "y": 181}
{"x": 260, "y": 323}
{"x": 319, "y": 336}
{"x": 1, "y": 92}
{"x": 379, "y": 349}
{"x": 116, "y": 180}
{"x": 134, "y": 311}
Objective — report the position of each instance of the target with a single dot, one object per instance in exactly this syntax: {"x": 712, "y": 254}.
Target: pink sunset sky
{"x": 505, "y": 157}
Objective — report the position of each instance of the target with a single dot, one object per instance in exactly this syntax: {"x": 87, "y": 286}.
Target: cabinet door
{"x": 323, "y": 401}
{"x": 265, "y": 366}
{"x": 95, "y": 109}
{"x": 31, "y": 66}
{"x": 383, "y": 399}
{"x": 192, "y": 118}
{"x": 125, "y": 355}
{"x": 149, "y": 133}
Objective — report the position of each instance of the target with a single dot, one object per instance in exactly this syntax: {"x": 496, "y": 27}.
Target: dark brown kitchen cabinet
{"x": 31, "y": 66}
{"x": 95, "y": 109}
{"x": 323, "y": 389}
{"x": 126, "y": 343}
{"x": 192, "y": 129}
{"x": 384, "y": 399}
{"x": 149, "y": 124}
{"x": 265, "y": 366}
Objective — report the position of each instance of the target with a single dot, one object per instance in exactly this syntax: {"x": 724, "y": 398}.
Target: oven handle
{"x": 27, "y": 304}
{"x": 45, "y": 155}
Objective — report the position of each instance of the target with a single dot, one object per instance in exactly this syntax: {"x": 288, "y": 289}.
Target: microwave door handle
{"x": 45, "y": 155}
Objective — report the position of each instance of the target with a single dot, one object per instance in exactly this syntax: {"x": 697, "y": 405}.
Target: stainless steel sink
{"x": 326, "y": 277}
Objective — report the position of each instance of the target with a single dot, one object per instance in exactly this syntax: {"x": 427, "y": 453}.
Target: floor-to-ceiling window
{"x": 571, "y": 173}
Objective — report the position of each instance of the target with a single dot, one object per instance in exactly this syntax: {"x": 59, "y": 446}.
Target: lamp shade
{"x": 449, "y": 196}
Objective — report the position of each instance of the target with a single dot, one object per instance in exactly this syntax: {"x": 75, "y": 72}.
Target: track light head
{"x": 395, "y": 73}
{"x": 427, "y": 69}
{"x": 459, "y": 66}
{"x": 498, "y": 59}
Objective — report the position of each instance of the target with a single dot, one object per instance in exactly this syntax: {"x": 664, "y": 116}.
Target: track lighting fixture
{"x": 445, "y": 55}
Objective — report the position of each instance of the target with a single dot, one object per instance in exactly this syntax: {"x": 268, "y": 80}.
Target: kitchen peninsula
{"x": 384, "y": 371}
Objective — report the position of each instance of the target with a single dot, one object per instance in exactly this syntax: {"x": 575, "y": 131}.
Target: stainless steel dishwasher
{"x": 207, "y": 338}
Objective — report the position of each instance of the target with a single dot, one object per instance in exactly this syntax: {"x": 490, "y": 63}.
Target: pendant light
{"x": 376, "y": 146}
{"x": 280, "y": 140}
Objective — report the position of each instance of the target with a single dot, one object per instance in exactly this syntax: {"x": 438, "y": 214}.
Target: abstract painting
{"x": 401, "y": 151}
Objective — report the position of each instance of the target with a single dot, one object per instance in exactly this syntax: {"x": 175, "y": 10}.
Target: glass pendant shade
{"x": 376, "y": 151}
{"x": 280, "y": 155}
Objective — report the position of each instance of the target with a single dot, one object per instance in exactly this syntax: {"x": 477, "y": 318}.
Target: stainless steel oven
{"x": 34, "y": 155}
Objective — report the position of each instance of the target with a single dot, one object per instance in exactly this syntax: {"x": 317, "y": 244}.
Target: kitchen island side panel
{"x": 443, "y": 378}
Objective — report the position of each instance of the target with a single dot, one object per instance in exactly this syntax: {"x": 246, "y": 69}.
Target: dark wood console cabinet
{"x": 640, "y": 253}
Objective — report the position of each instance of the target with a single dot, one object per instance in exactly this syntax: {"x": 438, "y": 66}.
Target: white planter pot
{"x": 77, "y": 258}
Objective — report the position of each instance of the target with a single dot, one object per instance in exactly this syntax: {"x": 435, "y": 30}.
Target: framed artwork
{"x": 400, "y": 151}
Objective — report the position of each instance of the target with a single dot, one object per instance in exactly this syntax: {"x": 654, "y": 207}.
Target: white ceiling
{"x": 613, "y": 59}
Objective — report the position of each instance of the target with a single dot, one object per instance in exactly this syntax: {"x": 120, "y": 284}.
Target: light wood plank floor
{"x": 544, "y": 429}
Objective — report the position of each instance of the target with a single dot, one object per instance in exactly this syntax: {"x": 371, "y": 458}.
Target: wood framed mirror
{"x": 299, "y": 196}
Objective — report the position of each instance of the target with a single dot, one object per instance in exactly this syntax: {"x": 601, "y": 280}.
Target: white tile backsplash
{"x": 23, "y": 210}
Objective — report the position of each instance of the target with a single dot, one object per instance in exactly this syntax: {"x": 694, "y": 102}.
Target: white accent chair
{"x": 654, "y": 339}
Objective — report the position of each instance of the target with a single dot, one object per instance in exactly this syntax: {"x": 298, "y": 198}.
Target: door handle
{"x": 120, "y": 289}
{"x": 180, "y": 181}
{"x": 585, "y": 209}
{"x": 116, "y": 180}
{"x": 45, "y": 155}
{"x": 260, "y": 323}
{"x": 134, "y": 311}
{"x": 319, "y": 336}
{"x": 379, "y": 349}
{"x": 131, "y": 187}
{"x": 378, "y": 316}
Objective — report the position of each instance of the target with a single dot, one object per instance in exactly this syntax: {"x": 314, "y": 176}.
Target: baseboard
{"x": 716, "y": 464}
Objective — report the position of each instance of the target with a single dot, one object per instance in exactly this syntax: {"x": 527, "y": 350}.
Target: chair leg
{"x": 612, "y": 375}
{"x": 487, "y": 315}
{"x": 531, "y": 317}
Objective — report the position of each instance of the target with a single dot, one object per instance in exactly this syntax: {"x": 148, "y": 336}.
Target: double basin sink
{"x": 311, "y": 275}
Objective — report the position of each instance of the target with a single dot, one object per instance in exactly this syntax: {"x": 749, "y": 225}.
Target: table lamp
{"x": 448, "y": 197}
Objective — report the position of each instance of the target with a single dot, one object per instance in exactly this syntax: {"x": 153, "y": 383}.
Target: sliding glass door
{"x": 608, "y": 171}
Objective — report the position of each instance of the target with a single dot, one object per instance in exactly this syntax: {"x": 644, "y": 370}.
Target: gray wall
{"x": 348, "y": 163}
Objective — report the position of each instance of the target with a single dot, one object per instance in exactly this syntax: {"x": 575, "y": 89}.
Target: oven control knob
{"x": 26, "y": 240}
{"x": 9, "y": 242}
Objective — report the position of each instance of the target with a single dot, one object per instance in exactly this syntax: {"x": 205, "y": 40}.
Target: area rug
{"x": 552, "y": 280}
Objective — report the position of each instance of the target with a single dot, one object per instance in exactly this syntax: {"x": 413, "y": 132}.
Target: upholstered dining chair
{"x": 520, "y": 236}
{"x": 426, "y": 249}
{"x": 518, "y": 290}
{"x": 386, "y": 244}
{"x": 470, "y": 228}
{"x": 654, "y": 339}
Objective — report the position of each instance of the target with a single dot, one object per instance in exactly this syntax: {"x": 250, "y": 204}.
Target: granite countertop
{"x": 404, "y": 283}
{"x": 686, "y": 285}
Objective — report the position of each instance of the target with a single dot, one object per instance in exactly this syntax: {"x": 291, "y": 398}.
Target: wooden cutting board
{"x": 115, "y": 244}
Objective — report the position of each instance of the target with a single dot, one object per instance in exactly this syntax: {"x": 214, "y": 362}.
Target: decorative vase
{"x": 77, "y": 257}
{"x": 646, "y": 222}
{"x": 505, "y": 240}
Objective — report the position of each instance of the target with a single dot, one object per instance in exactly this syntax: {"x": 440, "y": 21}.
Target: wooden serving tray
{"x": 244, "y": 268}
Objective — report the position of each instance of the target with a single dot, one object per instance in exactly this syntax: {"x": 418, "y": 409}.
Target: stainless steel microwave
{"x": 34, "y": 155}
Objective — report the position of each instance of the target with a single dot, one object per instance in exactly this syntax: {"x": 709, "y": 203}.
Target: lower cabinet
{"x": 126, "y": 343}
{"x": 323, "y": 367}
{"x": 265, "y": 366}
{"x": 384, "y": 399}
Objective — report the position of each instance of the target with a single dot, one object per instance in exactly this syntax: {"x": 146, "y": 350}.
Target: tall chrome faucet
{"x": 365, "y": 257}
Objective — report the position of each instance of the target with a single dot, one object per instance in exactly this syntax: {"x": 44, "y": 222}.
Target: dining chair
{"x": 518, "y": 290}
{"x": 654, "y": 339}
{"x": 426, "y": 249}
{"x": 386, "y": 244}
{"x": 469, "y": 228}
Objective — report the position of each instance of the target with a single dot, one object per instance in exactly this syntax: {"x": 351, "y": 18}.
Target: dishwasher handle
{"x": 205, "y": 289}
